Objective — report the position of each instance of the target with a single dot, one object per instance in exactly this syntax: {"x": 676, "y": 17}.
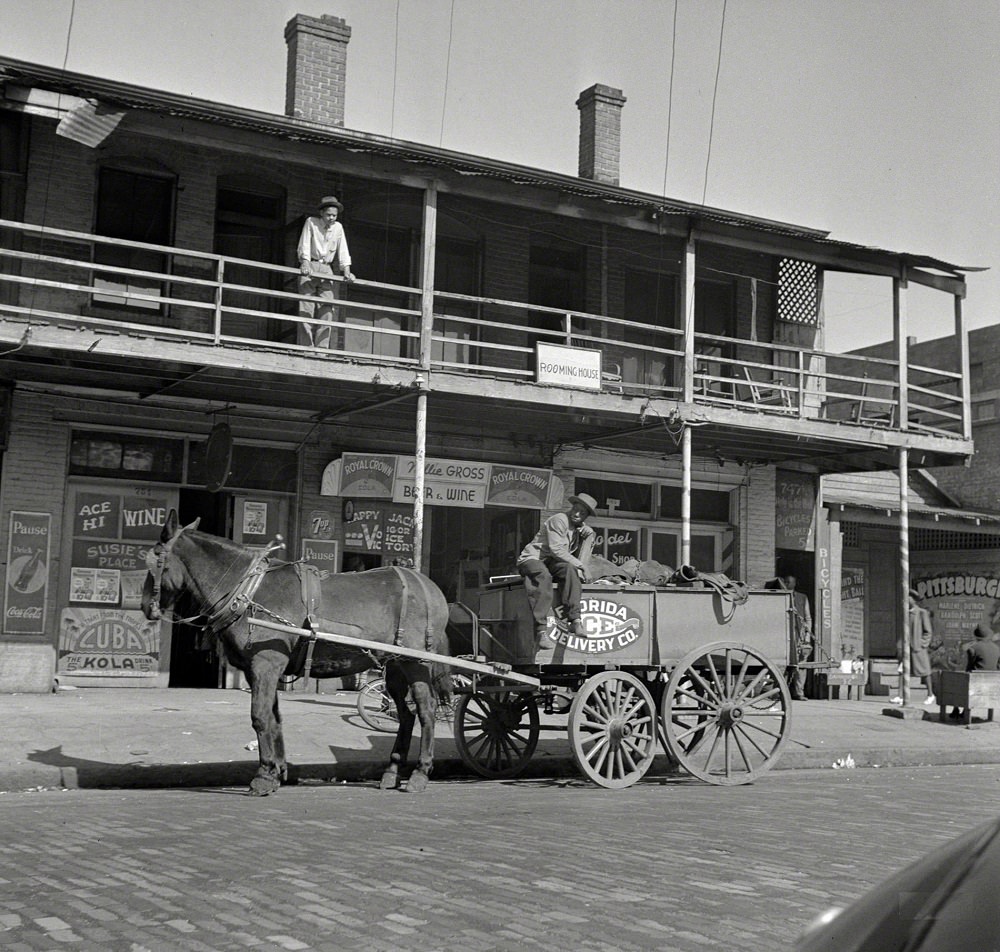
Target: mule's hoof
{"x": 263, "y": 786}
{"x": 417, "y": 782}
{"x": 390, "y": 779}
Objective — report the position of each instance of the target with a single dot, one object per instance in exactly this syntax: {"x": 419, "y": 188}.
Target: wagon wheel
{"x": 726, "y": 713}
{"x": 612, "y": 729}
{"x": 496, "y": 733}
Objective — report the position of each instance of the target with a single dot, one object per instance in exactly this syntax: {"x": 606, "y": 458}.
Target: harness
{"x": 228, "y": 609}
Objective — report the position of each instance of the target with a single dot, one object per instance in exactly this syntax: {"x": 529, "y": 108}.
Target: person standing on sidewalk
{"x": 921, "y": 632}
{"x": 323, "y": 253}
{"x": 802, "y": 637}
{"x": 559, "y": 551}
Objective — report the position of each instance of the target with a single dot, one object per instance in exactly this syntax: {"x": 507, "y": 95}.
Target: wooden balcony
{"x": 75, "y": 310}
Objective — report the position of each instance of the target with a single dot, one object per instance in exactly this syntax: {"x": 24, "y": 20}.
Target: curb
{"x": 20, "y": 778}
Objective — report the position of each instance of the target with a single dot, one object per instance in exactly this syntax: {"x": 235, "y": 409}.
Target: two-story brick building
{"x": 515, "y": 335}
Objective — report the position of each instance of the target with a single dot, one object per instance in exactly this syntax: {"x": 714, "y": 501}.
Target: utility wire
{"x": 52, "y": 155}
{"x": 395, "y": 67}
{"x": 670, "y": 98}
{"x": 715, "y": 93}
{"x": 447, "y": 69}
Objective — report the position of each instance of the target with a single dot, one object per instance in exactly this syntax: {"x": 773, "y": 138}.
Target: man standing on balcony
{"x": 559, "y": 551}
{"x": 322, "y": 254}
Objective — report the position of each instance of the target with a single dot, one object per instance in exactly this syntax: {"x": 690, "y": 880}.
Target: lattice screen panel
{"x": 925, "y": 540}
{"x": 798, "y": 293}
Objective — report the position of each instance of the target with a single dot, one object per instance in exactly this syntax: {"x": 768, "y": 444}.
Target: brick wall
{"x": 33, "y": 477}
{"x": 974, "y": 486}
{"x": 757, "y": 526}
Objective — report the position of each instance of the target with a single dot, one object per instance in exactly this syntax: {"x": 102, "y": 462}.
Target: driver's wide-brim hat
{"x": 585, "y": 500}
{"x": 330, "y": 200}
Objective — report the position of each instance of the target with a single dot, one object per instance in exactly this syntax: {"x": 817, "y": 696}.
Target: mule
{"x": 229, "y": 584}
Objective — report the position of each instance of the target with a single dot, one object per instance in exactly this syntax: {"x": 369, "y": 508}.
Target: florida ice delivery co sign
{"x": 568, "y": 366}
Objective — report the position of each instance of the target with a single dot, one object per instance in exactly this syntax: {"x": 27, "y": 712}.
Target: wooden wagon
{"x": 688, "y": 664}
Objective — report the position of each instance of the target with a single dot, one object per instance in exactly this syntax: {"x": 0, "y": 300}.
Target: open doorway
{"x": 194, "y": 654}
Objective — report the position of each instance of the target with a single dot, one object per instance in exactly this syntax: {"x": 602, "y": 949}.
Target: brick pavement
{"x": 674, "y": 865}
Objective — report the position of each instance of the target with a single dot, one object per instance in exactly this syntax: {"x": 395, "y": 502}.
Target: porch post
{"x": 686, "y": 496}
{"x": 904, "y": 570}
{"x": 962, "y": 339}
{"x": 426, "y": 327}
{"x": 687, "y": 320}
{"x": 901, "y": 330}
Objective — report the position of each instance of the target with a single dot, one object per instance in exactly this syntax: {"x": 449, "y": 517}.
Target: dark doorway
{"x": 194, "y": 654}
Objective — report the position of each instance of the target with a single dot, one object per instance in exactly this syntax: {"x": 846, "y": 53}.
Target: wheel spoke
{"x": 741, "y": 731}
{"x": 709, "y": 693}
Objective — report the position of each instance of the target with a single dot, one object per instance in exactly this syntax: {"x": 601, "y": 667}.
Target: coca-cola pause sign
{"x": 27, "y": 572}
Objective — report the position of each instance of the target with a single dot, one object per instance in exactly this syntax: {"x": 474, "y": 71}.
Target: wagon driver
{"x": 559, "y": 551}
{"x": 322, "y": 254}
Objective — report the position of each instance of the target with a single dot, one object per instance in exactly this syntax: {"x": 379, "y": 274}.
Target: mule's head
{"x": 165, "y": 575}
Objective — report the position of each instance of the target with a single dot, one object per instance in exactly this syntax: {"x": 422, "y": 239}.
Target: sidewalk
{"x": 125, "y": 737}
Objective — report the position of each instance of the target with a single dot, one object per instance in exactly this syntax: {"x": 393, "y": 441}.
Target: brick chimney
{"x": 600, "y": 133}
{"x": 317, "y": 68}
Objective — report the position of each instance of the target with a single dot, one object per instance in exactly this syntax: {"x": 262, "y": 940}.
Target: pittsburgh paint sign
{"x": 609, "y": 626}
{"x": 109, "y": 643}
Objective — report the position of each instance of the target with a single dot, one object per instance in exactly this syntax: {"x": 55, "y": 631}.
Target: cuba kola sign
{"x": 108, "y": 642}
{"x": 609, "y": 625}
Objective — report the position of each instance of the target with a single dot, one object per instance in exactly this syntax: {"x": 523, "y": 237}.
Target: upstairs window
{"x": 132, "y": 206}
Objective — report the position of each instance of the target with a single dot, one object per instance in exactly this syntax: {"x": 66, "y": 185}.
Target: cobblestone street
{"x": 674, "y": 865}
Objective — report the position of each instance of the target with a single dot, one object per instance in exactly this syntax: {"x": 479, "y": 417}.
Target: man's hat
{"x": 586, "y": 500}
{"x": 330, "y": 200}
{"x": 982, "y": 632}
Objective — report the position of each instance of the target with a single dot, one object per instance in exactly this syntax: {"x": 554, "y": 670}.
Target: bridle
{"x": 156, "y": 560}
{"x": 227, "y": 609}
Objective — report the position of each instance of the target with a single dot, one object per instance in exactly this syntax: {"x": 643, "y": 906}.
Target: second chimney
{"x": 600, "y": 133}
{"x": 317, "y": 68}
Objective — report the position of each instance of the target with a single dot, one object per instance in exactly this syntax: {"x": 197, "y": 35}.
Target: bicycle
{"x": 378, "y": 710}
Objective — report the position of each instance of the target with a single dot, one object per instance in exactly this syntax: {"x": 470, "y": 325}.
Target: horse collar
{"x": 235, "y": 606}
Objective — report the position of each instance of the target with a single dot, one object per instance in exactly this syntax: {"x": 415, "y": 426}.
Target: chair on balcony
{"x": 611, "y": 377}
{"x": 766, "y": 394}
{"x": 873, "y": 410}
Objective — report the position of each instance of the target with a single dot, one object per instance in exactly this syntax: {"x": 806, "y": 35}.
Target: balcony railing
{"x": 58, "y": 276}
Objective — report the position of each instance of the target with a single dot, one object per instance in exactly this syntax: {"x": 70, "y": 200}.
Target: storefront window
{"x": 131, "y": 457}
{"x": 618, "y": 496}
{"x": 707, "y": 505}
